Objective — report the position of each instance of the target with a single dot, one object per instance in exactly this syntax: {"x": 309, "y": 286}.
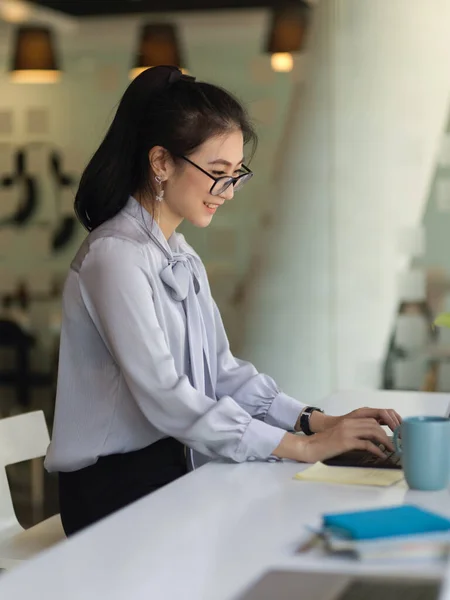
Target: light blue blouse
{"x": 144, "y": 355}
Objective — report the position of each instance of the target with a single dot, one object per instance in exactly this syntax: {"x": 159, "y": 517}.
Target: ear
{"x": 161, "y": 162}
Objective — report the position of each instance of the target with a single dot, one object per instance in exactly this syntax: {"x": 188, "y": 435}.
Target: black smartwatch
{"x": 305, "y": 418}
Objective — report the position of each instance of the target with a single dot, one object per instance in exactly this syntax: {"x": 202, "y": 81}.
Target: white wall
{"x": 355, "y": 175}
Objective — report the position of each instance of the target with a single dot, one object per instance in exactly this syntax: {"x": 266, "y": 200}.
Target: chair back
{"x": 22, "y": 437}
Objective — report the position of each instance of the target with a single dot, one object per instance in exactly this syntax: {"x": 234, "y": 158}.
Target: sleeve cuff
{"x": 259, "y": 441}
{"x": 284, "y": 412}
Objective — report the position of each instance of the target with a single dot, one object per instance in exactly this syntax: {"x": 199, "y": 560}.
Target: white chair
{"x": 24, "y": 437}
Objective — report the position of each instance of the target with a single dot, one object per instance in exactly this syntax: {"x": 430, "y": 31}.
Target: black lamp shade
{"x": 34, "y": 54}
{"x": 289, "y": 28}
{"x": 158, "y": 46}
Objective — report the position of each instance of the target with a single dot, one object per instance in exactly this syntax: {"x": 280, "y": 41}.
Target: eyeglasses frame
{"x": 233, "y": 180}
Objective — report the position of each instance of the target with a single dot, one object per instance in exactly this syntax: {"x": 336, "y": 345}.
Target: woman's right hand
{"x": 348, "y": 434}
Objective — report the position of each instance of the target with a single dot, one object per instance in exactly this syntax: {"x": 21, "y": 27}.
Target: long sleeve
{"x": 117, "y": 293}
{"x": 257, "y": 393}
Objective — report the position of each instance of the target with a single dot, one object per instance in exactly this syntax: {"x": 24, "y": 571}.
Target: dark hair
{"x": 161, "y": 107}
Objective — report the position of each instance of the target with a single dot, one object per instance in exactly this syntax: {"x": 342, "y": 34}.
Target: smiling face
{"x": 187, "y": 189}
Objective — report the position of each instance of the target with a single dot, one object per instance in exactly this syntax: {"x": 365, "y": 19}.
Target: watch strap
{"x": 305, "y": 419}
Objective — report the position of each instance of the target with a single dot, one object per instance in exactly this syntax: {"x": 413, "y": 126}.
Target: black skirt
{"x": 92, "y": 493}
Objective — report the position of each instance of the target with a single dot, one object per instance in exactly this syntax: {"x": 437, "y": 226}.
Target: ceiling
{"x": 81, "y": 8}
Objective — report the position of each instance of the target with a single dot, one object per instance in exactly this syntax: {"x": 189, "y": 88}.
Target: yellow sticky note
{"x": 350, "y": 475}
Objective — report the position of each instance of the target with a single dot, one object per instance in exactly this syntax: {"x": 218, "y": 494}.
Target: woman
{"x": 145, "y": 368}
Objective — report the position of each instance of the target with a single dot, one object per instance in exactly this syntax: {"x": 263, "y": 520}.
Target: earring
{"x": 160, "y": 196}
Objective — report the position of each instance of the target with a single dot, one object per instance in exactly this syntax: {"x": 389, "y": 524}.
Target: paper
{"x": 350, "y": 475}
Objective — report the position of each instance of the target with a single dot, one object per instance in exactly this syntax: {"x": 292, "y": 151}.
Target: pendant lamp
{"x": 158, "y": 45}
{"x": 34, "y": 57}
{"x": 287, "y": 34}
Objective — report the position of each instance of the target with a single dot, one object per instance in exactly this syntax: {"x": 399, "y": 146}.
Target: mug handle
{"x": 397, "y": 446}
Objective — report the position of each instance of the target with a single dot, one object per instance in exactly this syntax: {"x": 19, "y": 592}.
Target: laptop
{"x": 294, "y": 585}
{"x": 362, "y": 458}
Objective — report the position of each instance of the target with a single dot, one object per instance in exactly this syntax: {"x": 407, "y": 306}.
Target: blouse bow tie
{"x": 178, "y": 276}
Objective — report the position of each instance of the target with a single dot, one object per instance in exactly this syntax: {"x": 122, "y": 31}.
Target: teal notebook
{"x": 385, "y": 522}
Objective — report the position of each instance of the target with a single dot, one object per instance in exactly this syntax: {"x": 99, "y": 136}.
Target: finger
{"x": 364, "y": 413}
{"x": 399, "y": 418}
{"x": 396, "y": 417}
{"x": 377, "y": 434}
{"x": 384, "y": 416}
{"x": 360, "y": 421}
{"x": 370, "y": 447}
{"x": 387, "y": 417}
{"x": 358, "y": 424}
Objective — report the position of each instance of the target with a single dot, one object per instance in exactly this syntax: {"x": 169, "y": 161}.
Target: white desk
{"x": 209, "y": 534}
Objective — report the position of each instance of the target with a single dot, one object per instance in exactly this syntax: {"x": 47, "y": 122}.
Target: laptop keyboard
{"x": 392, "y": 461}
{"x": 361, "y": 458}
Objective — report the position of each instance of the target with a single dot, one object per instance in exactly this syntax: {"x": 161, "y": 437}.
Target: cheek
{"x": 189, "y": 188}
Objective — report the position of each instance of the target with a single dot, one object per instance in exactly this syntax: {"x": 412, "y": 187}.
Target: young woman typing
{"x": 145, "y": 371}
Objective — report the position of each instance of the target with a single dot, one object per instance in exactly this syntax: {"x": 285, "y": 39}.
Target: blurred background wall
{"x": 331, "y": 265}
{"x": 71, "y": 116}
{"x": 353, "y": 191}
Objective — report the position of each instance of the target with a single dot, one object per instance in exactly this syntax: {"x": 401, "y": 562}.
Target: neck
{"x": 164, "y": 217}
{"x": 167, "y": 221}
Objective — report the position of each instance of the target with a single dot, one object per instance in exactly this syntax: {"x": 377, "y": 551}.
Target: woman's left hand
{"x": 383, "y": 416}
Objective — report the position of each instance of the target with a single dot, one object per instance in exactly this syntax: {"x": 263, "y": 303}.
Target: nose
{"x": 228, "y": 194}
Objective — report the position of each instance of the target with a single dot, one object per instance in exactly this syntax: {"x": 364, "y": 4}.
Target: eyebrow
{"x": 221, "y": 161}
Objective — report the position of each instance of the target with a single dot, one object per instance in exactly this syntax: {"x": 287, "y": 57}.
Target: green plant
{"x": 442, "y": 320}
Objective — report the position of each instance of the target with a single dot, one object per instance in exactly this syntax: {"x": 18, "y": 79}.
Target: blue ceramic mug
{"x": 424, "y": 447}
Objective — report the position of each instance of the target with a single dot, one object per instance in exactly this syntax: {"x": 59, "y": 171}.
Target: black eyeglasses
{"x": 221, "y": 184}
